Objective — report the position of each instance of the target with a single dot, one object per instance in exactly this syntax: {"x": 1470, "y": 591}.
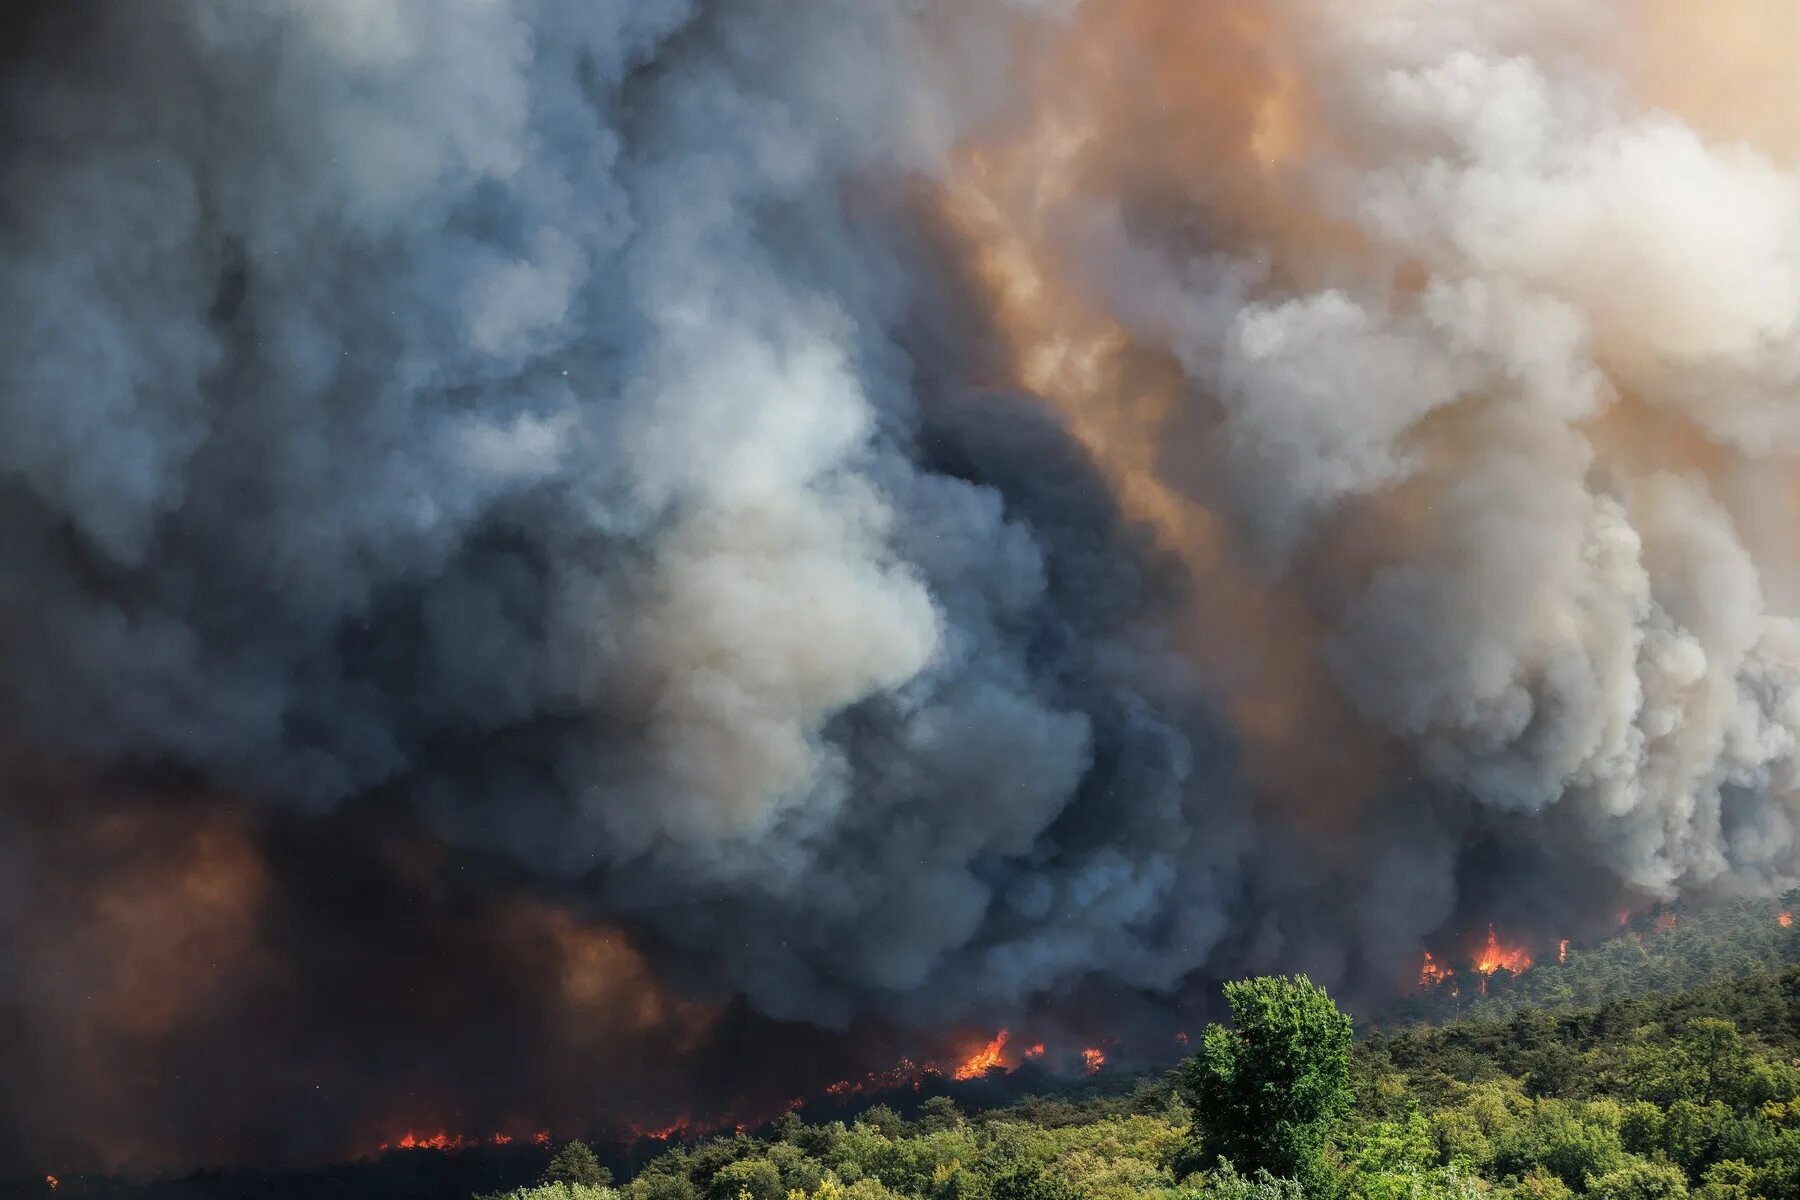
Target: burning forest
{"x": 619, "y": 568}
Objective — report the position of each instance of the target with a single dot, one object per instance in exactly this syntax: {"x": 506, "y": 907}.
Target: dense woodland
{"x": 1662, "y": 1063}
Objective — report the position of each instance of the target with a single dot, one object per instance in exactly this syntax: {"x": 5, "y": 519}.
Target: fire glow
{"x": 1493, "y": 957}
{"x": 674, "y": 1129}
{"x": 1432, "y": 972}
{"x": 1496, "y": 957}
{"x": 445, "y": 1141}
{"x": 983, "y": 1060}
{"x": 995, "y": 1054}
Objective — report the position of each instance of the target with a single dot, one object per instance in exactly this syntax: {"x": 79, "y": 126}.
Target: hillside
{"x": 1659, "y": 1062}
{"x": 1634, "y": 1099}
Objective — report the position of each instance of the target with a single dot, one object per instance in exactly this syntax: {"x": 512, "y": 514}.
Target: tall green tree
{"x": 1267, "y": 1089}
{"x": 575, "y": 1163}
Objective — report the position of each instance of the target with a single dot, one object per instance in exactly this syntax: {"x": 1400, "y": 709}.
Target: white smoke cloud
{"x": 1570, "y": 623}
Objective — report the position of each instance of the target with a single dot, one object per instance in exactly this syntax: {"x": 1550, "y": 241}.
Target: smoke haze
{"x": 559, "y": 555}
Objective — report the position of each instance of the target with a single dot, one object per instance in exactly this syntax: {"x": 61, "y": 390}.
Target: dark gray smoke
{"x": 507, "y": 404}
{"x": 620, "y": 447}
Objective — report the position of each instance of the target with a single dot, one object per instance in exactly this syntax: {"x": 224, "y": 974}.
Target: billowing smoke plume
{"x": 546, "y": 538}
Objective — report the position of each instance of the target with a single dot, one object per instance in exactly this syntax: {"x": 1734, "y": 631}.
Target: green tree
{"x": 1227, "y": 1184}
{"x": 1728, "y": 1180}
{"x": 662, "y": 1185}
{"x": 1640, "y": 1181}
{"x": 1267, "y": 1089}
{"x": 1557, "y": 1140}
{"x": 757, "y": 1178}
{"x": 1027, "y": 1182}
{"x": 939, "y": 1113}
{"x": 575, "y": 1163}
{"x": 885, "y": 1120}
{"x": 1552, "y": 1070}
{"x": 1717, "y": 1054}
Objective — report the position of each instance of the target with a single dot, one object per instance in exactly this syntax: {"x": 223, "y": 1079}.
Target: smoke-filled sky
{"x": 561, "y": 557}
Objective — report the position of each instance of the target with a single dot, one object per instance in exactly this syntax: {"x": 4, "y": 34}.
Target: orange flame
{"x": 1495, "y": 957}
{"x": 984, "y": 1059}
{"x": 53, "y": 1181}
{"x": 445, "y": 1141}
{"x": 1036, "y": 1051}
{"x": 435, "y": 1141}
{"x": 1665, "y": 923}
{"x": 663, "y": 1134}
{"x": 1094, "y": 1058}
{"x": 541, "y": 1137}
{"x": 1562, "y": 951}
{"x": 1785, "y": 920}
{"x": 905, "y": 1073}
{"x": 1432, "y": 972}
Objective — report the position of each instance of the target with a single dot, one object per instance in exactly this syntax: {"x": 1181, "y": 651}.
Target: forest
{"x": 1660, "y": 1063}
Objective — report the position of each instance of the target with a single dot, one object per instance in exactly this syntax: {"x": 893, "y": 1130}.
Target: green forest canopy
{"x": 1659, "y": 1065}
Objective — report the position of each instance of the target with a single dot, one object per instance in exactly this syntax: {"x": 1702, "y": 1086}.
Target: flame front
{"x": 1495, "y": 957}
{"x": 1094, "y": 1058}
{"x": 1785, "y": 919}
{"x": 53, "y": 1181}
{"x": 984, "y": 1059}
{"x": 663, "y": 1133}
{"x": 1562, "y": 951}
{"x": 444, "y": 1140}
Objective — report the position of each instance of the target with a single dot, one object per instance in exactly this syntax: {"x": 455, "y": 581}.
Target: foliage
{"x": 575, "y": 1164}
{"x": 1634, "y": 1096}
{"x": 1267, "y": 1088}
{"x": 558, "y": 1191}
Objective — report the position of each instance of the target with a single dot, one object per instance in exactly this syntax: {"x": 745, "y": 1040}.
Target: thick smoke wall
{"x": 636, "y": 530}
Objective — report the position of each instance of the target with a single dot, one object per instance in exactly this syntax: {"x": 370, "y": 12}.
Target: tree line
{"x": 1694, "y": 1094}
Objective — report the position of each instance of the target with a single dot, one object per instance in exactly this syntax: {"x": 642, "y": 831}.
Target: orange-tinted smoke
{"x": 143, "y": 922}
{"x": 1193, "y": 112}
{"x": 1726, "y": 68}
